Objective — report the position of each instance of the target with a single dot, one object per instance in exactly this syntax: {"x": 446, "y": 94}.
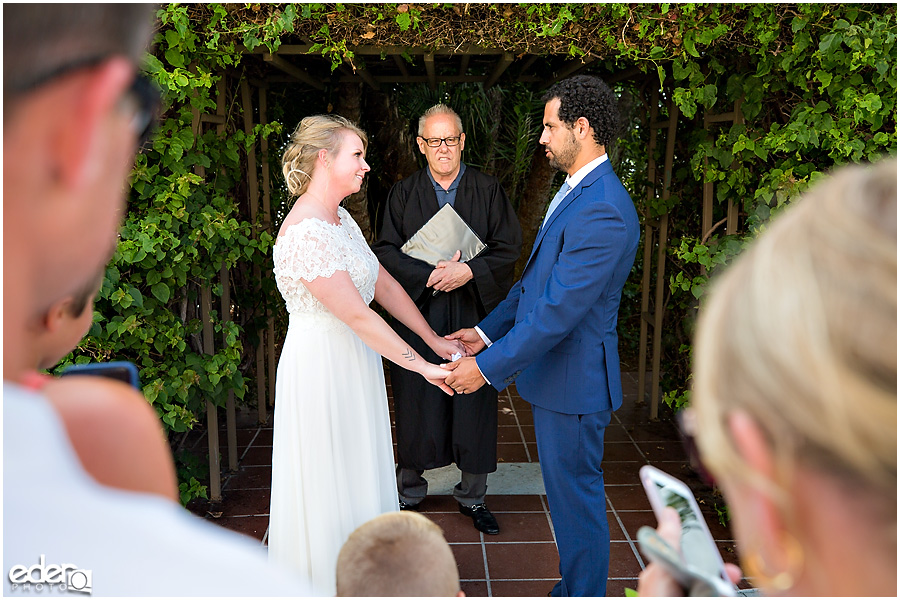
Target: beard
{"x": 564, "y": 157}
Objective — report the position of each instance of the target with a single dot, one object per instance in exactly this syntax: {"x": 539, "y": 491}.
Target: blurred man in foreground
{"x": 75, "y": 111}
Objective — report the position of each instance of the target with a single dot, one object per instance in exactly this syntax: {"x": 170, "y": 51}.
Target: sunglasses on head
{"x": 687, "y": 427}
{"x": 146, "y": 95}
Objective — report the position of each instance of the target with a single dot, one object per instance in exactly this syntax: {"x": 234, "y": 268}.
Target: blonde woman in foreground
{"x": 795, "y": 396}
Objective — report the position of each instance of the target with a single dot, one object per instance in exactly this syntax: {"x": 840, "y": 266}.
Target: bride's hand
{"x": 435, "y": 375}
{"x": 447, "y": 348}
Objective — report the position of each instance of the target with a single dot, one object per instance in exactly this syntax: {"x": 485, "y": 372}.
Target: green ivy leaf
{"x": 824, "y": 77}
{"x": 174, "y": 57}
{"x": 161, "y": 291}
{"x": 829, "y": 42}
{"x": 403, "y": 20}
{"x": 688, "y": 43}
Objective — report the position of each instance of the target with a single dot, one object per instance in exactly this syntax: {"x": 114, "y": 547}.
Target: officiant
{"x": 433, "y": 428}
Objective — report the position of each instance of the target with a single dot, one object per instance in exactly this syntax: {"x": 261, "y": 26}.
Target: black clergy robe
{"x": 435, "y": 429}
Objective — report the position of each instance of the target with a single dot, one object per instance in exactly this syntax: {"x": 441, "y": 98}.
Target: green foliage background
{"x": 817, "y": 81}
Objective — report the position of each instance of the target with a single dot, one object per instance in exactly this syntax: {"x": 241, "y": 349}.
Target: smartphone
{"x": 698, "y": 567}
{"x": 121, "y": 370}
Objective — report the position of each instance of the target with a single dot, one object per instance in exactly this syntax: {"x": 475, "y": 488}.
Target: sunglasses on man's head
{"x": 687, "y": 427}
{"x": 145, "y": 93}
{"x": 146, "y": 113}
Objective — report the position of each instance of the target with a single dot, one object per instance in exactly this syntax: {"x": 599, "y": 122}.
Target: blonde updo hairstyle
{"x": 318, "y": 132}
{"x": 801, "y": 335}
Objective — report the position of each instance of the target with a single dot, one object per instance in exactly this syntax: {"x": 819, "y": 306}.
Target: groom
{"x": 555, "y": 333}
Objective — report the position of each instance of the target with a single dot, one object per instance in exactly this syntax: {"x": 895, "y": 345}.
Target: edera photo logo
{"x": 42, "y": 577}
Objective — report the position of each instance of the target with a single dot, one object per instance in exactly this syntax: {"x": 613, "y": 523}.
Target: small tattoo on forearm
{"x": 408, "y": 355}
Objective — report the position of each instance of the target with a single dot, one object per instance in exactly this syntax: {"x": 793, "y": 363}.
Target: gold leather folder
{"x": 442, "y": 236}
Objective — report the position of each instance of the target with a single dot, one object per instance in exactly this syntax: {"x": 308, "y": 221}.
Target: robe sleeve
{"x": 493, "y": 270}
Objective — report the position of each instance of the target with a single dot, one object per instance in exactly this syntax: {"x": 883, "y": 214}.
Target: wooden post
{"x": 230, "y": 420}
{"x": 268, "y": 226}
{"x": 732, "y": 208}
{"x": 659, "y": 309}
{"x": 212, "y": 419}
{"x": 731, "y": 225}
{"x": 429, "y": 70}
{"x": 225, "y": 304}
{"x": 658, "y": 315}
{"x": 253, "y": 185}
{"x": 215, "y": 475}
{"x": 648, "y": 244}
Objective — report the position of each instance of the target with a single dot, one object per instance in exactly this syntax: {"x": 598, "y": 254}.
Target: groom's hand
{"x": 469, "y": 338}
{"x": 465, "y": 377}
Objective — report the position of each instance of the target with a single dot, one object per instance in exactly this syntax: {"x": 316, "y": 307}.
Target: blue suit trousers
{"x": 570, "y": 450}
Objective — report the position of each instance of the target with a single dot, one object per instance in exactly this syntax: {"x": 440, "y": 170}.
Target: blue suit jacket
{"x": 555, "y": 333}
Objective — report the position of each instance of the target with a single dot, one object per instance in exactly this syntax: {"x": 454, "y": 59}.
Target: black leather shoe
{"x": 482, "y": 518}
{"x": 405, "y": 506}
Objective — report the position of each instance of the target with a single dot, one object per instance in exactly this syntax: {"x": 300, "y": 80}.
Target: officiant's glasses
{"x": 436, "y": 142}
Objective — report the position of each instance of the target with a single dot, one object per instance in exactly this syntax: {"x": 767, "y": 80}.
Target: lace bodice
{"x": 314, "y": 248}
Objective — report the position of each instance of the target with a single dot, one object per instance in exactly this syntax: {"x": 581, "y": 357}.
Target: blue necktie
{"x": 556, "y": 200}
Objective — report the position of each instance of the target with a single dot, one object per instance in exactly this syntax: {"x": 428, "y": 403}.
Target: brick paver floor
{"x": 522, "y": 560}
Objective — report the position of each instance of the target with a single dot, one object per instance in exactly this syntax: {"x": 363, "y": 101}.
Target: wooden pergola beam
{"x": 499, "y": 69}
{"x": 623, "y": 75}
{"x": 365, "y": 75}
{"x": 400, "y": 64}
{"x": 571, "y": 68}
{"x": 295, "y": 72}
{"x": 526, "y": 65}
{"x": 464, "y": 64}
{"x": 381, "y": 50}
{"x": 429, "y": 69}
{"x": 388, "y": 79}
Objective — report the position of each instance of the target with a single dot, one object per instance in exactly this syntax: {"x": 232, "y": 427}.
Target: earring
{"x": 755, "y": 567}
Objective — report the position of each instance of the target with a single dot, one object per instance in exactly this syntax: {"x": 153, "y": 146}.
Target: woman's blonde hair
{"x": 801, "y": 334}
{"x": 318, "y": 132}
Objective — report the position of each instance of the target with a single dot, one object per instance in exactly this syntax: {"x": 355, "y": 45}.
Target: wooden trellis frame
{"x": 731, "y": 218}
{"x": 215, "y": 475}
{"x": 651, "y": 227}
{"x": 265, "y": 350}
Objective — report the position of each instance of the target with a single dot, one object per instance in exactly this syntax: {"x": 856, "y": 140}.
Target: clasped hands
{"x": 465, "y": 377}
{"x": 449, "y": 274}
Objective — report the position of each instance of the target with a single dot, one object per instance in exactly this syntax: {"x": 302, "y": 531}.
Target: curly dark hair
{"x": 589, "y": 97}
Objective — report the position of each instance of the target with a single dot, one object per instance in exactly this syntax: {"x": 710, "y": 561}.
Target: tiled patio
{"x": 522, "y": 560}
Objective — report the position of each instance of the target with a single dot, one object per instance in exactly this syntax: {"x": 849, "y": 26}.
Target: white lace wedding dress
{"x": 332, "y": 461}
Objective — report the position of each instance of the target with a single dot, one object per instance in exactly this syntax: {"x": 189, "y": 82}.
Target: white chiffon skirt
{"x": 332, "y": 460}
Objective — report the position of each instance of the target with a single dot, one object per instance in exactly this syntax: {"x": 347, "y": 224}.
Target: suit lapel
{"x": 601, "y": 170}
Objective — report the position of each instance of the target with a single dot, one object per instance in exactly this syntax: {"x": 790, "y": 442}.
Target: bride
{"x": 332, "y": 458}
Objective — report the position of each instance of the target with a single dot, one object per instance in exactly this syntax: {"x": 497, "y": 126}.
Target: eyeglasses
{"x": 436, "y": 142}
{"x": 146, "y": 95}
{"x": 687, "y": 426}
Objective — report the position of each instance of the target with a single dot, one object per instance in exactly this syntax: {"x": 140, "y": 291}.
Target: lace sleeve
{"x": 308, "y": 250}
